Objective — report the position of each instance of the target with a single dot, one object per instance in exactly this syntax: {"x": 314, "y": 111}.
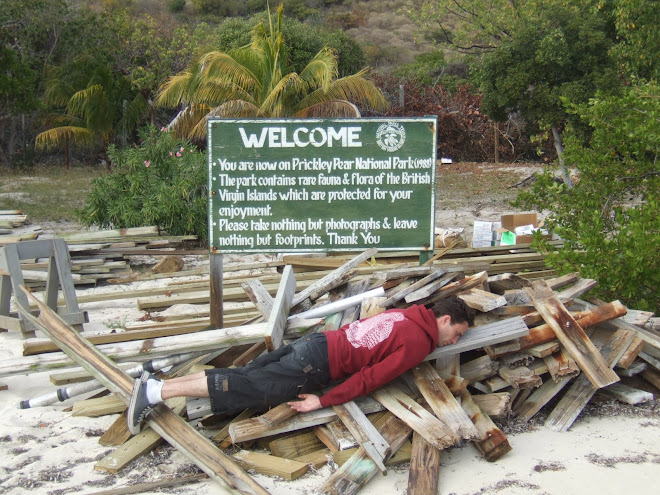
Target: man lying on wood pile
{"x": 369, "y": 353}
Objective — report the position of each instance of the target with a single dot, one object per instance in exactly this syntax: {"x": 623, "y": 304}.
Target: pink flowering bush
{"x": 153, "y": 183}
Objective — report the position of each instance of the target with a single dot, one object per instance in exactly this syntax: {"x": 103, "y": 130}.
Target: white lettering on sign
{"x": 278, "y": 137}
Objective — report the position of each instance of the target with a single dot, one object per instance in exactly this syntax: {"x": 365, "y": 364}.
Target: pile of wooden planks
{"x": 533, "y": 341}
{"x": 13, "y": 227}
{"x": 102, "y": 255}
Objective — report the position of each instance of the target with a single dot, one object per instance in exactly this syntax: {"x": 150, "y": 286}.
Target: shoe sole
{"x": 131, "y": 407}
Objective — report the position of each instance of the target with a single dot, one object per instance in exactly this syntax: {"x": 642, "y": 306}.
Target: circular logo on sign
{"x": 390, "y": 136}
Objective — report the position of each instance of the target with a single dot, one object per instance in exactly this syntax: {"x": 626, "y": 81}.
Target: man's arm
{"x": 372, "y": 377}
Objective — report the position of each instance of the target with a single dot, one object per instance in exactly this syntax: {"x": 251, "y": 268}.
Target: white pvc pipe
{"x": 341, "y": 305}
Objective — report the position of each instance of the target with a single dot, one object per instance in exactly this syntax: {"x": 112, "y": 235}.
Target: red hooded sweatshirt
{"x": 374, "y": 351}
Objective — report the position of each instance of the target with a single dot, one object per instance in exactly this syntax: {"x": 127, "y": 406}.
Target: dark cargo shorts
{"x": 273, "y": 378}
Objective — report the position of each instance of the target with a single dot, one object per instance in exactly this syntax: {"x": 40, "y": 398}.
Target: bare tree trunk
{"x": 496, "y": 134}
{"x": 10, "y": 142}
{"x": 66, "y": 155}
{"x": 560, "y": 155}
{"x": 152, "y": 112}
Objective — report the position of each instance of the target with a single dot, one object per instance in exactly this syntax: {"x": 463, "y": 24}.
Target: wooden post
{"x": 215, "y": 275}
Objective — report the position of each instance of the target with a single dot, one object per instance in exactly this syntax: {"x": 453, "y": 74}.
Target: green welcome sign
{"x": 321, "y": 184}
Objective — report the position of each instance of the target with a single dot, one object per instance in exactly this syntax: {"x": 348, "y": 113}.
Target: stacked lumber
{"x": 13, "y": 227}
{"x": 102, "y": 255}
{"x": 535, "y": 344}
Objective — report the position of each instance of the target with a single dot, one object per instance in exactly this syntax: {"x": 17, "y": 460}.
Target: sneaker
{"x": 139, "y": 406}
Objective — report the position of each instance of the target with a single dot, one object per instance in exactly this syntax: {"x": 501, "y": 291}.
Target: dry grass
{"x": 47, "y": 193}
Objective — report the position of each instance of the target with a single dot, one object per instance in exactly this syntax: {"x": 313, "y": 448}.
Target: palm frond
{"x": 134, "y": 113}
{"x": 186, "y": 120}
{"x": 59, "y": 137}
{"x": 215, "y": 92}
{"x": 92, "y": 105}
{"x": 236, "y": 109}
{"x": 274, "y": 104}
{"x": 321, "y": 70}
{"x": 354, "y": 88}
{"x": 222, "y": 66}
{"x": 175, "y": 90}
{"x": 329, "y": 109}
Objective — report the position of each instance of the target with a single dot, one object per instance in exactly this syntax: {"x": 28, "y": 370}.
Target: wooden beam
{"x": 359, "y": 469}
{"x": 419, "y": 419}
{"x": 578, "y": 395}
{"x": 251, "y": 429}
{"x": 442, "y": 402}
{"x": 571, "y": 335}
{"x": 477, "y": 337}
{"x": 424, "y": 475}
{"x": 491, "y": 443}
{"x": 375, "y": 446}
{"x": 280, "y": 312}
{"x": 321, "y": 286}
{"x": 165, "y": 422}
{"x": 482, "y": 300}
{"x": 544, "y": 333}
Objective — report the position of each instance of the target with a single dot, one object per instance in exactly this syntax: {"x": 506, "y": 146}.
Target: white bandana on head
{"x": 372, "y": 331}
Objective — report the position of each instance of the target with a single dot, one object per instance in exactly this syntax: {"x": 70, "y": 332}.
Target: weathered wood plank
{"x": 544, "y": 333}
{"x": 492, "y": 443}
{"x": 477, "y": 337}
{"x": 321, "y": 286}
{"x": 364, "y": 432}
{"x": 271, "y": 465}
{"x": 165, "y": 422}
{"x": 482, "y": 300}
{"x": 571, "y": 335}
{"x": 424, "y": 475}
{"x": 249, "y": 429}
{"x": 413, "y": 287}
{"x": 496, "y": 404}
{"x": 280, "y": 312}
{"x": 259, "y": 295}
{"x": 540, "y": 397}
{"x": 415, "y": 416}
{"x": 429, "y": 289}
{"x": 359, "y": 469}
{"x": 627, "y": 394}
{"x": 578, "y": 395}
{"x": 442, "y": 402}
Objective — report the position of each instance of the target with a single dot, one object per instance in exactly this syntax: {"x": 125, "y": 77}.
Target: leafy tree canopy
{"x": 558, "y": 55}
{"x": 609, "y": 221}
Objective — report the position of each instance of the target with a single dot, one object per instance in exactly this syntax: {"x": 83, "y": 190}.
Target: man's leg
{"x": 148, "y": 391}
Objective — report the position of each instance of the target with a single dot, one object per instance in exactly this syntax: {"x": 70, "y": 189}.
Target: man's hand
{"x": 310, "y": 402}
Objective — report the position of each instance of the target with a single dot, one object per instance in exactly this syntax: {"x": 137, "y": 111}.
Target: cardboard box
{"x": 510, "y": 222}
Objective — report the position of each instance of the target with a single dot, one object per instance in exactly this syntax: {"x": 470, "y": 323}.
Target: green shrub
{"x": 162, "y": 182}
{"x": 609, "y": 221}
{"x": 176, "y": 5}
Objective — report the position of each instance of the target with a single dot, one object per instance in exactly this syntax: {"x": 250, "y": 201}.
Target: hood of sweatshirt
{"x": 425, "y": 319}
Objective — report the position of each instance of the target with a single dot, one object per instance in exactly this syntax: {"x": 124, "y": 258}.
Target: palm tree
{"x": 98, "y": 107}
{"x": 251, "y": 82}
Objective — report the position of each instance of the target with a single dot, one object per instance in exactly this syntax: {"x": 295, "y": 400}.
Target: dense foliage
{"x": 161, "y": 181}
{"x": 609, "y": 221}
